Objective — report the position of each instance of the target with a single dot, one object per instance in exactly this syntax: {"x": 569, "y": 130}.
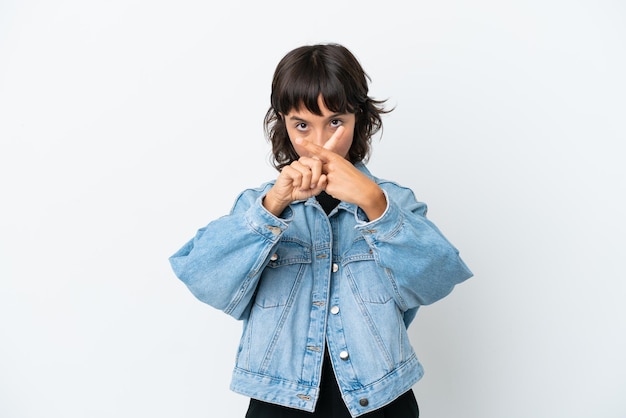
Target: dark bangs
{"x": 310, "y": 72}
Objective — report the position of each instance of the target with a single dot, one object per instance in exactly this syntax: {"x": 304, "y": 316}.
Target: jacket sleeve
{"x": 420, "y": 265}
{"x": 222, "y": 264}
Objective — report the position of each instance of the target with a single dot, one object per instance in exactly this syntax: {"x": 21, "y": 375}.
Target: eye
{"x": 301, "y": 126}
{"x": 335, "y": 123}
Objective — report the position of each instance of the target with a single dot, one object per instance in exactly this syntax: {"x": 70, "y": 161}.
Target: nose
{"x": 320, "y": 137}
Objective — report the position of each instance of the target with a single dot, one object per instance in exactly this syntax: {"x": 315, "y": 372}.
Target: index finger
{"x": 325, "y": 152}
{"x": 334, "y": 139}
{"x": 316, "y": 151}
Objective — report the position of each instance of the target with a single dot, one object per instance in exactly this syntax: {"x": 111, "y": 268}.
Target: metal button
{"x": 275, "y": 229}
{"x": 344, "y": 355}
{"x": 335, "y": 267}
{"x": 274, "y": 257}
{"x": 334, "y": 310}
{"x": 364, "y": 402}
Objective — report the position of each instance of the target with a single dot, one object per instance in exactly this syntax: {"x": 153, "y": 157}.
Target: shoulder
{"x": 402, "y": 195}
{"x": 387, "y": 185}
{"x": 248, "y": 197}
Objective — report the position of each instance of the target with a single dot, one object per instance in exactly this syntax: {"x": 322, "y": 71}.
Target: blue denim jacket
{"x": 303, "y": 283}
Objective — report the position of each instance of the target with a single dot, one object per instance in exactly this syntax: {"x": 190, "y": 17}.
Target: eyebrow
{"x": 299, "y": 119}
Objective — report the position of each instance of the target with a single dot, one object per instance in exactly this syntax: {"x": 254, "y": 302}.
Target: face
{"x": 301, "y": 123}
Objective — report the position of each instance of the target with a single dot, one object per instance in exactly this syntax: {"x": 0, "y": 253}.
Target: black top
{"x": 327, "y": 201}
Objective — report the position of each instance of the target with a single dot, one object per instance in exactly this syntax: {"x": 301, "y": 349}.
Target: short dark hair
{"x": 329, "y": 70}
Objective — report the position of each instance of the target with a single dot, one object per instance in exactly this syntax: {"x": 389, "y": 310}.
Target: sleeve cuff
{"x": 387, "y": 223}
{"x": 265, "y": 223}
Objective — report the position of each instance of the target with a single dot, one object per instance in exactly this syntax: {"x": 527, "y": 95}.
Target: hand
{"x": 299, "y": 180}
{"x": 344, "y": 181}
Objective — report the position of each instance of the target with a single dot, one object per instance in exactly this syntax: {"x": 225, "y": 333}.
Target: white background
{"x": 126, "y": 125}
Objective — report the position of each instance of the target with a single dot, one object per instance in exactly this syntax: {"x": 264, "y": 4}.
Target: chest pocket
{"x": 368, "y": 280}
{"x": 282, "y": 276}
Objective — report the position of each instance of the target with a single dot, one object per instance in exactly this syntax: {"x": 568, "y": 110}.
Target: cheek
{"x": 298, "y": 149}
{"x": 290, "y": 134}
{"x": 344, "y": 146}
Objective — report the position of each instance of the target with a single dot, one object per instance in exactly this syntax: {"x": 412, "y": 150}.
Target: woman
{"x": 326, "y": 265}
